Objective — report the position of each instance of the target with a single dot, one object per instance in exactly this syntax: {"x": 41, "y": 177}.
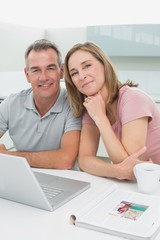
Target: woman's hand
{"x": 125, "y": 169}
{"x": 95, "y": 106}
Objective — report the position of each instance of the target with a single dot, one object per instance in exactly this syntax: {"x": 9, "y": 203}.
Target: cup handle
{"x": 134, "y": 171}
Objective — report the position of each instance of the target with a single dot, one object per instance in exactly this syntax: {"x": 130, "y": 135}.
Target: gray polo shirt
{"x": 31, "y": 132}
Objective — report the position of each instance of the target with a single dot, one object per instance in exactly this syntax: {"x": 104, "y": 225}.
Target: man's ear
{"x": 26, "y": 73}
{"x": 62, "y": 71}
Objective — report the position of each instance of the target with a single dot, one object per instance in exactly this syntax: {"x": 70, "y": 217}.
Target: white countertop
{"x": 19, "y": 221}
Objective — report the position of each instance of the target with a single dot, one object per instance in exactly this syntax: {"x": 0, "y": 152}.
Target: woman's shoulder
{"x": 127, "y": 92}
{"x": 134, "y": 103}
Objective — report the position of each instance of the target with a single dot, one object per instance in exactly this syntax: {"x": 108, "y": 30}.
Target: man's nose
{"x": 43, "y": 75}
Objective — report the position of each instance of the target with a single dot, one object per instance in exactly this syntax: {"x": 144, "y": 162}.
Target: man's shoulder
{"x": 15, "y": 97}
{"x": 63, "y": 91}
{"x": 22, "y": 93}
{"x": 64, "y": 94}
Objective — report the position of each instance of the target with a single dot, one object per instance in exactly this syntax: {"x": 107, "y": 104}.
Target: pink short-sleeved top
{"x": 133, "y": 104}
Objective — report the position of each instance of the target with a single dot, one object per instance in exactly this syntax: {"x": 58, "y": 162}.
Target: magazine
{"x": 122, "y": 213}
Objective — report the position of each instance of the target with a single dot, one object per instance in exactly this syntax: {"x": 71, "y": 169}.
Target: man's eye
{"x": 51, "y": 68}
{"x": 34, "y": 70}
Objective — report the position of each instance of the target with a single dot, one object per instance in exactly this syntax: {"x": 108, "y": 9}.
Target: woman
{"x": 126, "y": 118}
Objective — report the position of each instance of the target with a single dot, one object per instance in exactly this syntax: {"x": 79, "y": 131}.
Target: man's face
{"x": 44, "y": 73}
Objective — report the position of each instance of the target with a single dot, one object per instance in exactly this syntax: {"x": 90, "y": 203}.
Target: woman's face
{"x": 86, "y": 72}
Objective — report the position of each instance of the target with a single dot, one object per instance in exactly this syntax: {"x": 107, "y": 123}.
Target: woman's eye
{"x": 73, "y": 74}
{"x": 87, "y": 65}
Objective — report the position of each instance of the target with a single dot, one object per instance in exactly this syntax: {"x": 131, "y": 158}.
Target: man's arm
{"x": 63, "y": 158}
{"x": 1, "y": 134}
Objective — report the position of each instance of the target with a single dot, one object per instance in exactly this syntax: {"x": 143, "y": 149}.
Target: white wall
{"x": 66, "y": 37}
{"x": 14, "y": 39}
{"x": 12, "y": 82}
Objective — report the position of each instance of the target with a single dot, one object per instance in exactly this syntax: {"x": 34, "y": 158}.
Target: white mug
{"x": 148, "y": 177}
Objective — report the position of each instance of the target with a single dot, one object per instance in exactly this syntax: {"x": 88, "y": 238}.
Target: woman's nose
{"x": 82, "y": 75}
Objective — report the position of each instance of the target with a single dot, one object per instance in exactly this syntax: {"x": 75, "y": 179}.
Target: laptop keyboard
{"x": 51, "y": 192}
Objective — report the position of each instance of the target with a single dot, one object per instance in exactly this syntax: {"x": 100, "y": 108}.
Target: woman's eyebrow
{"x": 82, "y": 63}
{"x": 72, "y": 70}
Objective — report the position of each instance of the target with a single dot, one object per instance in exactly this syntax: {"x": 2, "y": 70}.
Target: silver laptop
{"x": 19, "y": 183}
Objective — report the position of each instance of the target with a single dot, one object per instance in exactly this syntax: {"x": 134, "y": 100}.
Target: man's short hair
{"x": 43, "y": 44}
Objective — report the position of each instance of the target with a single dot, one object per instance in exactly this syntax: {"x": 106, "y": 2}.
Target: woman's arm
{"x": 87, "y": 159}
{"x": 89, "y": 162}
{"x": 134, "y": 136}
{"x": 96, "y": 108}
{"x": 134, "y": 133}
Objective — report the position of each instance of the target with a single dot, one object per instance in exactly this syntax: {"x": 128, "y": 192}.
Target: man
{"x": 40, "y": 121}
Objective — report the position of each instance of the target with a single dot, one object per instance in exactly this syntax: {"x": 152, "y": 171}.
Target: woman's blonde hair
{"x": 112, "y": 82}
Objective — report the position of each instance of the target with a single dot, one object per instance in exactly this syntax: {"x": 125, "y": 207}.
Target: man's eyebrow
{"x": 34, "y": 67}
{"x": 52, "y": 65}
